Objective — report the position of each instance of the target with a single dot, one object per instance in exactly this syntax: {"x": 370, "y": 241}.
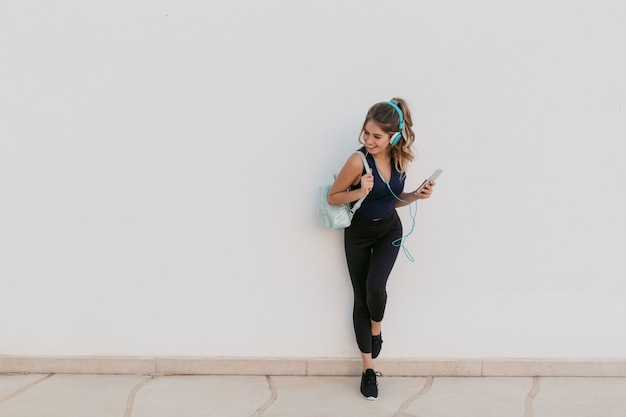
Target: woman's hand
{"x": 367, "y": 183}
{"x": 426, "y": 191}
{"x": 350, "y": 175}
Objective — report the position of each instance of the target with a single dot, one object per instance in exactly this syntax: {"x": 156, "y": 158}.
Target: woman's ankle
{"x": 376, "y": 327}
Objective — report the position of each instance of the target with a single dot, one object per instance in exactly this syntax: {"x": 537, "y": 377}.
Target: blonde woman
{"x": 387, "y": 140}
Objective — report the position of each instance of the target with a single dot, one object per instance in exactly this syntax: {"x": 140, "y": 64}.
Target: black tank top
{"x": 380, "y": 203}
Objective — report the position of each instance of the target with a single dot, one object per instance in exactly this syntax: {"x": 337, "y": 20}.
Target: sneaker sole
{"x": 369, "y": 398}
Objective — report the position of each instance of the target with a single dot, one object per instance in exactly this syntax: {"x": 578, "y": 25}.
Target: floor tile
{"x": 581, "y": 397}
{"x": 339, "y": 396}
{"x": 473, "y": 397}
{"x": 202, "y": 396}
{"x": 11, "y": 384}
{"x": 73, "y": 396}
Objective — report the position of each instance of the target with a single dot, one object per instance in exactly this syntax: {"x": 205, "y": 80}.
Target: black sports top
{"x": 380, "y": 203}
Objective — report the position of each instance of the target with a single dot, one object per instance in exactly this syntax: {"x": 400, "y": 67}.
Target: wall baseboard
{"x": 311, "y": 366}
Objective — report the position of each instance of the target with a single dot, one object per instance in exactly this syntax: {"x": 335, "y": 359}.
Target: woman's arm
{"x": 350, "y": 175}
{"x": 412, "y": 196}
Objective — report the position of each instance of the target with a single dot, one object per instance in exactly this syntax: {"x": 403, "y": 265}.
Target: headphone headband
{"x": 395, "y": 106}
{"x": 395, "y": 138}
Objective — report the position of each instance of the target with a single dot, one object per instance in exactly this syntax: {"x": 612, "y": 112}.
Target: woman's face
{"x": 375, "y": 139}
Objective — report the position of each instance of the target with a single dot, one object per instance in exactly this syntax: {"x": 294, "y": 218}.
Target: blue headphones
{"x": 395, "y": 138}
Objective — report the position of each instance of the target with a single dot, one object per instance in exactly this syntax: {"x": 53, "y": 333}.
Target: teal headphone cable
{"x": 412, "y": 212}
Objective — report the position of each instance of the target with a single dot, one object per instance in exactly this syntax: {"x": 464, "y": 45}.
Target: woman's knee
{"x": 377, "y": 297}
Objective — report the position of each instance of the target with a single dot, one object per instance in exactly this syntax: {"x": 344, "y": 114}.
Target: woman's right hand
{"x": 367, "y": 183}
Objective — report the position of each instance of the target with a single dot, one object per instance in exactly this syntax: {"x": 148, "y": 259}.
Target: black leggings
{"x": 370, "y": 256}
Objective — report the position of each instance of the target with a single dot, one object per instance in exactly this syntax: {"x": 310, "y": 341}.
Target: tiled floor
{"x": 276, "y": 396}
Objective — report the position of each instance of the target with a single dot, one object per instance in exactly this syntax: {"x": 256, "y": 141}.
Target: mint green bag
{"x": 339, "y": 216}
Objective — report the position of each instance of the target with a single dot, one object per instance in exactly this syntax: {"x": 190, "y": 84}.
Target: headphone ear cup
{"x": 396, "y": 138}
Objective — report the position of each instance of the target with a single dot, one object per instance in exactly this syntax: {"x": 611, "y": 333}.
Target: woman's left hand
{"x": 426, "y": 191}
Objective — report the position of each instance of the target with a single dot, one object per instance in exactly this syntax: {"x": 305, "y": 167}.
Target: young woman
{"x": 387, "y": 140}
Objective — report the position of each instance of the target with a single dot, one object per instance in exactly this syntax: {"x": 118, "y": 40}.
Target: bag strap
{"x": 367, "y": 170}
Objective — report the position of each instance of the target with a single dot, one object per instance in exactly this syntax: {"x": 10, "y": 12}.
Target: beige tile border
{"x": 311, "y": 366}
{"x": 77, "y": 365}
{"x": 398, "y": 367}
{"x": 562, "y": 367}
{"x": 229, "y": 366}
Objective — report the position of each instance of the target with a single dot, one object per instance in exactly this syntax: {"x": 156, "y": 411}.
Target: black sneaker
{"x": 369, "y": 386}
{"x": 377, "y": 344}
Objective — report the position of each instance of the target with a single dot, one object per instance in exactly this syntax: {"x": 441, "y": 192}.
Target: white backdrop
{"x": 159, "y": 165}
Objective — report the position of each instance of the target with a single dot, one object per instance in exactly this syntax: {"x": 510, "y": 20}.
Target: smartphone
{"x": 431, "y": 178}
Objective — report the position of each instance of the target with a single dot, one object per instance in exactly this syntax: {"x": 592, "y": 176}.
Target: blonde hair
{"x": 386, "y": 116}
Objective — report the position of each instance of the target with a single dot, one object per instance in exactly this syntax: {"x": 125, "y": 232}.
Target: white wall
{"x": 159, "y": 165}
